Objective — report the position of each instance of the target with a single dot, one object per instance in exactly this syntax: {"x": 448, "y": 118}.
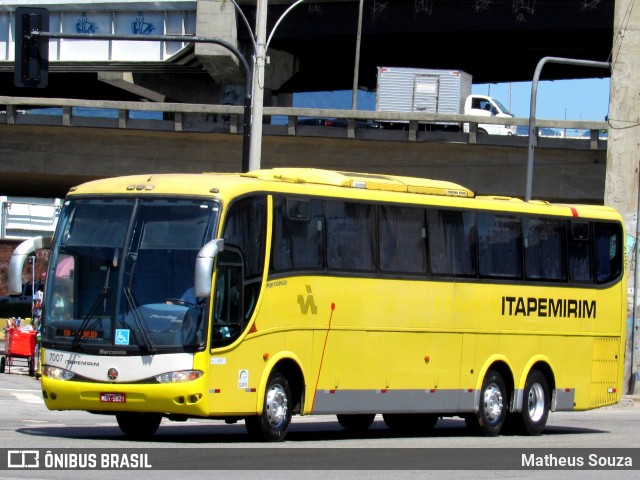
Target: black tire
{"x": 417, "y": 423}
{"x": 138, "y": 426}
{"x": 493, "y": 407}
{"x": 3, "y": 364}
{"x": 356, "y": 422}
{"x": 273, "y": 423}
{"x": 31, "y": 364}
{"x": 536, "y": 401}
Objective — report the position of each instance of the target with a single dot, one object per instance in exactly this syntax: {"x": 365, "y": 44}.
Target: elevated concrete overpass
{"x": 313, "y": 47}
{"x": 45, "y": 154}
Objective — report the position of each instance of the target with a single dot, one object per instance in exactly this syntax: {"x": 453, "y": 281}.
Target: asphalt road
{"x": 314, "y": 445}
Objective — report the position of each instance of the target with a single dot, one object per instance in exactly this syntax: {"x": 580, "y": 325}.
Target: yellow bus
{"x": 286, "y": 291}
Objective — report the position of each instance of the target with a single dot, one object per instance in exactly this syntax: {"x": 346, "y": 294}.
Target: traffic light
{"x": 32, "y": 53}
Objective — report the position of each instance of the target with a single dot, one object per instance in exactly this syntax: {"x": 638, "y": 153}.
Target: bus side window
{"x": 544, "y": 251}
{"x": 452, "y": 242}
{"x": 500, "y": 245}
{"x": 579, "y": 255}
{"x": 608, "y": 252}
{"x": 402, "y": 239}
{"x": 350, "y": 235}
{"x": 298, "y": 234}
{"x": 246, "y": 227}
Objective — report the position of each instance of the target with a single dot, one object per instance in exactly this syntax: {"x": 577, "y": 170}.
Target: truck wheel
{"x": 138, "y": 425}
{"x": 273, "y": 423}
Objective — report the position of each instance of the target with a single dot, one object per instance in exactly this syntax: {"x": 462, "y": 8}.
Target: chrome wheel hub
{"x": 493, "y": 403}
{"x": 535, "y": 402}
{"x": 277, "y": 406}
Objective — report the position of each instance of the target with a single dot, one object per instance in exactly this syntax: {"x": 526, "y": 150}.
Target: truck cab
{"x": 483, "y": 105}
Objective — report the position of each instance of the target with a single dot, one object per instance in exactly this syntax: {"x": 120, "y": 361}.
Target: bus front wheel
{"x": 138, "y": 425}
{"x": 492, "y": 409}
{"x": 273, "y": 423}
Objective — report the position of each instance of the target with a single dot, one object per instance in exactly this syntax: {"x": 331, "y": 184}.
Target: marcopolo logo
{"x": 307, "y": 303}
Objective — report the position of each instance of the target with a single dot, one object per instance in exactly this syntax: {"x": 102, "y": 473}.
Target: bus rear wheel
{"x": 273, "y": 423}
{"x": 535, "y": 409}
{"x": 356, "y": 422}
{"x": 492, "y": 410}
{"x": 418, "y": 422}
{"x": 138, "y": 425}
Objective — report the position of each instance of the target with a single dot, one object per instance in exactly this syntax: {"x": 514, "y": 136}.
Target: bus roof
{"x": 368, "y": 181}
{"x": 391, "y": 188}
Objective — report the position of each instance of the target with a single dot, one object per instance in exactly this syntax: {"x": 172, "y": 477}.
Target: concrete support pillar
{"x": 217, "y": 20}
{"x": 623, "y": 154}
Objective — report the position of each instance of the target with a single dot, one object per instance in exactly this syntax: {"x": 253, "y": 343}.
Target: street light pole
{"x": 259, "y": 62}
{"x": 356, "y": 67}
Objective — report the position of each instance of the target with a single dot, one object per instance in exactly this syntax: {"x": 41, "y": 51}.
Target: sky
{"x": 586, "y": 99}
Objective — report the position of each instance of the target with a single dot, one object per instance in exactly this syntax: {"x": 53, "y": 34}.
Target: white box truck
{"x": 416, "y": 90}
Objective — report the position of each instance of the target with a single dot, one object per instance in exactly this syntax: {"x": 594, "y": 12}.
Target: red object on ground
{"x": 20, "y": 343}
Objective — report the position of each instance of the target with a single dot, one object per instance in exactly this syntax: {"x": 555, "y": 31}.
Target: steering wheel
{"x": 181, "y": 302}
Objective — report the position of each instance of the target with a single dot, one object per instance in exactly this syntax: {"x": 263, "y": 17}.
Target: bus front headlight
{"x": 57, "y": 373}
{"x": 179, "y": 377}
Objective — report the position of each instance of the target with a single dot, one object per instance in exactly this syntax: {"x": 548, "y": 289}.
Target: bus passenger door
{"x": 232, "y": 374}
{"x": 228, "y": 317}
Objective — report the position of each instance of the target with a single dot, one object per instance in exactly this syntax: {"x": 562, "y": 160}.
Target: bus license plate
{"x": 113, "y": 397}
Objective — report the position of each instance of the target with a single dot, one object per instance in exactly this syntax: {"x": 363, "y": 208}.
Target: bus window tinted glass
{"x": 401, "y": 232}
{"x": 246, "y": 229}
{"x": 452, "y": 242}
{"x": 579, "y": 253}
{"x": 544, "y": 249}
{"x": 350, "y": 236}
{"x": 298, "y": 234}
{"x": 499, "y": 246}
{"x": 608, "y": 252}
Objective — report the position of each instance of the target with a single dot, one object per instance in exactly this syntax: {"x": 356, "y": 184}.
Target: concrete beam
{"x": 36, "y": 159}
{"x": 124, "y": 80}
{"x": 216, "y": 18}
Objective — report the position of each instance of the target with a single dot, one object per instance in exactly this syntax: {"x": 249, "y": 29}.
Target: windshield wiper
{"x": 138, "y": 319}
{"x": 79, "y": 334}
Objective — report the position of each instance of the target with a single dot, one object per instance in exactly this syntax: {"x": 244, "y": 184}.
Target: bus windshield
{"x": 122, "y": 275}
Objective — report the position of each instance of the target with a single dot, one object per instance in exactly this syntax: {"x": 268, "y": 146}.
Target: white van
{"x": 482, "y": 105}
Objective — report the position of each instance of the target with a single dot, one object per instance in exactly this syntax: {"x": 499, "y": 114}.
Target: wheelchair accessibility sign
{"x": 122, "y": 336}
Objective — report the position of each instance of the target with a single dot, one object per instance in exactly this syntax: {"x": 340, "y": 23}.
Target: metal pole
{"x": 259, "y": 62}
{"x": 356, "y": 66}
{"x": 533, "y": 138}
